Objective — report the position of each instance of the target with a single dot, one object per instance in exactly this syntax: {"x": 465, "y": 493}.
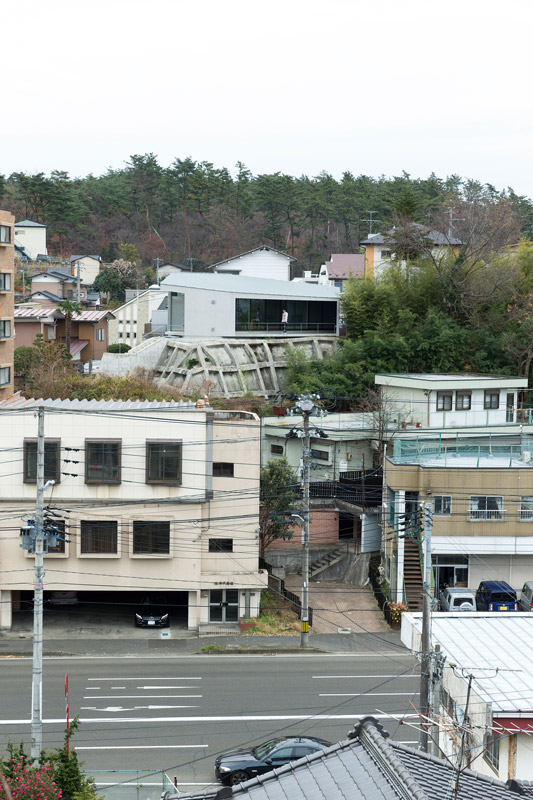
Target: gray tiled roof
{"x": 368, "y": 767}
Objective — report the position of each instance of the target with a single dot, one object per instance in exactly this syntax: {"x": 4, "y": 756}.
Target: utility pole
{"x": 78, "y": 283}
{"x": 463, "y": 735}
{"x": 37, "y": 669}
{"x": 427, "y": 654}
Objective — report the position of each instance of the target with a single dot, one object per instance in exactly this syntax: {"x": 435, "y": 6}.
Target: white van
{"x": 454, "y": 598}
{"x": 526, "y": 598}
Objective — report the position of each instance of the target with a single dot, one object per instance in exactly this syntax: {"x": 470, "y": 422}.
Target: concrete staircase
{"x": 412, "y": 575}
{"x": 318, "y": 565}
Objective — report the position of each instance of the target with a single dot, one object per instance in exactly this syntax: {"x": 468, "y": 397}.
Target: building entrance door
{"x": 224, "y": 605}
{"x": 451, "y": 571}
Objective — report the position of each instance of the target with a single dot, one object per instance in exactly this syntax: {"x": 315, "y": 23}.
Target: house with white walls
{"x": 30, "y": 239}
{"x": 88, "y": 266}
{"x": 261, "y": 262}
{"x": 134, "y": 318}
{"x": 145, "y": 492}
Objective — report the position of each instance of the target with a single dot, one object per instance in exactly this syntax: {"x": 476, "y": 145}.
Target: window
{"x": 321, "y": 455}
{"x": 52, "y": 460}
{"x": 276, "y": 449}
{"x": 51, "y": 332}
{"x": 444, "y": 401}
{"x": 100, "y": 334}
{"x": 56, "y": 526}
{"x": 151, "y": 538}
{"x": 163, "y": 462}
{"x": 526, "y": 509}
{"x": 127, "y": 334}
{"x": 102, "y": 461}
{"x": 5, "y": 376}
{"x": 5, "y": 282}
{"x": 492, "y": 749}
{"x": 386, "y": 253}
{"x": 492, "y": 399}
{"x": 486, "y": 508}
{"x": 442, "y": 504}
{"x": 5, "y": 234}
{"x": 222, "y": 469}
{"x": 5, "y": 329}
{"x": 98, "y": 537}
{"x": 120, "y": 335}
{"x": 463, "y": 401}
{"x": 221, "y": 545}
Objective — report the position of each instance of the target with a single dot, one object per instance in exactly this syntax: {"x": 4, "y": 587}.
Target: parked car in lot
{"x": 152, "y": 612}
{"x": 526, "y": 598}
{"x": 63, "y": 598}
{"x": 239, "y": 765}
{"x": 455, "y": 598}
{"x": 496, "y": 596}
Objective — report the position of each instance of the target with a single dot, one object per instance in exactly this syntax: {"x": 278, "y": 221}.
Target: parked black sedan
{"x": 237, "y": 766}
{"x": 152, "y": 612}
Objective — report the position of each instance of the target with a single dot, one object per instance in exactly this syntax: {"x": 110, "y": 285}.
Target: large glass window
{"x": 52, "y": 460}
{"x": 102, "y": 461}
{"x": 163, "y": 462}
{"x": 99, "y": 536}
{"x": 151, "y": 538}
{"x": 486, "y": 507}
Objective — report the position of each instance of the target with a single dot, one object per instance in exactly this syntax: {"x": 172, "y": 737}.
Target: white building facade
{"x": 261, "y": 262}
{"x": 150, "y": 496}
{"x": 31, "y": 237}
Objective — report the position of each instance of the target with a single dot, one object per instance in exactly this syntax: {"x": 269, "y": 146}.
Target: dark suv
{"x": 496, "y": 596}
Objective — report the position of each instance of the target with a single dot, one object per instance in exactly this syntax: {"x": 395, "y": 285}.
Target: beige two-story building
{"x": 147, "y": 496}
{"x": 7, "y": 222}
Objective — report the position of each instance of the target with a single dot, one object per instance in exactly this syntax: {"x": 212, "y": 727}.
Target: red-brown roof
{"x": 342, "y": 265}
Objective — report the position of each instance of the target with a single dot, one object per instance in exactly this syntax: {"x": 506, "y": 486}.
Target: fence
{"x": 278, "y": 586}
{"x": 361, "y": 488}
{"x": 127, "y": 784}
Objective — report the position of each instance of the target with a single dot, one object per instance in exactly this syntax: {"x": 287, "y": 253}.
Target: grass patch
{"x": 276, "y": 618}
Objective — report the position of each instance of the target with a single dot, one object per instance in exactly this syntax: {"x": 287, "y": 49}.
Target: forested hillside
{"x": 197, "y": 211}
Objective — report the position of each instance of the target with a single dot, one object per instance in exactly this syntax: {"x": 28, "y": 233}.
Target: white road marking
{"x": 113, "y": 687}
{"x": 152, "y": 687}
{"x": 151, "y": 678}
{"x": 336, "y": 677}
{"x": 369, "y": 694}
{"x": 143, "y": 747}
{"x": 135, "y": 708}
{"x": 243, "y": 718}
{"x": 134, "y": 696}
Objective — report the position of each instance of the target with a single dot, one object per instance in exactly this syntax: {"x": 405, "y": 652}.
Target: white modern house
{"x": 496, "y": 649}
{"x": 261, "y": 262}
{"x": 134, "y": 318}
{"x": 209, "y": 306}
{"x": 30, "y": 239}
{"x": 159, "y": 495}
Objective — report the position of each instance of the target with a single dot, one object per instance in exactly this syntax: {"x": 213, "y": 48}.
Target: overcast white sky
{"x": 299, "y": 86}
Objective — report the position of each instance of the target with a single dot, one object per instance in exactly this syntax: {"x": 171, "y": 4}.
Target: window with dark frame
{"x": 102, "y": 460}
{"x": 5, "y": 328}
{"x": 163, "y": 462}
{"x": 5, "y": 376}
{"x": 492, "y": 399}
{"x": 221, "y": 545}
{"x": 276, "y": 449}
{"x": 442, "y": 505}
{"x": 151, "y": 537}
{"x": 463, "y": 401}
{"x": 222, "y": 469}
{"x": 52, "y": 460}
{"x": 5, "y": 282}
{"x": 444, "y": 401}
{"x": 321, "y": 455}
{"x": 56, "y": 526}
{"x": 99, "y": 537}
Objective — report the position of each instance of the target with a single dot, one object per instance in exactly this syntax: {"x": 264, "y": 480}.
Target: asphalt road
{"x": 176, "y": 713}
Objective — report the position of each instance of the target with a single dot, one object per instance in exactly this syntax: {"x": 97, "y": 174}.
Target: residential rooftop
{"x": 245, "y": 286}
{"x": 481, "y": 452}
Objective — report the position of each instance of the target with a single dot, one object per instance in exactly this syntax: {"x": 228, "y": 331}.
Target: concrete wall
{"x": 145, "y": 356}
{"x": 259, "y": 264}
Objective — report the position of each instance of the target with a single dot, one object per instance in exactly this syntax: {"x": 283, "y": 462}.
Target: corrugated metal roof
{"x": 34, "y": 313}
{"x": 28, "y": 223}
{"x": 249, "y": 286}
{"x": 92, "y": 316}
{"x": 341, "y": 265}
{"x": 16, "y": 402}
{"x": 77, "y": 345}
{"x": 500, "y": 644}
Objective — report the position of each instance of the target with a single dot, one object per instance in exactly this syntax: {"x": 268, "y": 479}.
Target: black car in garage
{"x": 152, "y": 612}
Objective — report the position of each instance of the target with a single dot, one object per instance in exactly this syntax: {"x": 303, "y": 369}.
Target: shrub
{"x": 118, "y": 347}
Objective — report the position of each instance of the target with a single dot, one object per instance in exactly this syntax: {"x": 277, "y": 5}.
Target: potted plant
{"x": 395, "y": 611}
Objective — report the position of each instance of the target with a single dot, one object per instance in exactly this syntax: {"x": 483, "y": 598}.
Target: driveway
{"x": 338, "y": 605}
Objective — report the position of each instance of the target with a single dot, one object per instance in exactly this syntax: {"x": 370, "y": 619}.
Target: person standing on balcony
{"x": 284, "y": 320}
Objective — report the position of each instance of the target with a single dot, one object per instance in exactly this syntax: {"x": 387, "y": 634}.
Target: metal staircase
{"x": 320, "y": 563}
{"x": 412, "y": 574}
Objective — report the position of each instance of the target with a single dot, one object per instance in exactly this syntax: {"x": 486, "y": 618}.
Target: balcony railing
{"x": 525, "y": 515}
{"x": 488, "y": 515}
{"x": 292, "y": 327}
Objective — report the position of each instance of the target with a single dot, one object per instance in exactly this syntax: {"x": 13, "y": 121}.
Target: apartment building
{"x": 147, "y": 496}
{"x": 7, "y": 236}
